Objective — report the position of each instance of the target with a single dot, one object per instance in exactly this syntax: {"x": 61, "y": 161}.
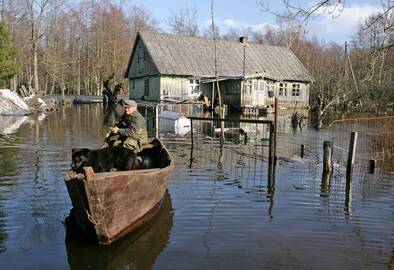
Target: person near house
{"x": 130, "y": 131}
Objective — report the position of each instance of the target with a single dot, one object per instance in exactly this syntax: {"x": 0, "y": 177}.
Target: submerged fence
{"x": 234, "y": 138}
{"x": 244, "y": 155}
{"x": 375, "y": 145}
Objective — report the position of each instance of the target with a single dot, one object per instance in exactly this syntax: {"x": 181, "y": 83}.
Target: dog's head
{"x": 144, "y": 162}
{"x": 79, "y": 157}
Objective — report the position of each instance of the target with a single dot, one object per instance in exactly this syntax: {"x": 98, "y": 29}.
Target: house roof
{"x": 191, "y": 56}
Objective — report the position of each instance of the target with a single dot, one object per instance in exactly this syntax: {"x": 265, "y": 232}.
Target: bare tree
{"x": 211, "y": 31}
{"x": 184, "y": 22}
{"x": 141, "y": 19}
{"x": 366, "y": 61}
{"x": 36, "y": 12}
{"x": 296, "y": 11}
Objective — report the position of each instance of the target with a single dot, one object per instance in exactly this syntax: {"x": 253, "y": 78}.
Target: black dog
{"x": 105, "y": 160}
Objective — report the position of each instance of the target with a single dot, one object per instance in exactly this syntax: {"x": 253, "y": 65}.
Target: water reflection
{"x": 8, "y": 170}
{"x": 296, "y": 221}
{"x": 138, "y": 250}
{"x": 11, "y": 124}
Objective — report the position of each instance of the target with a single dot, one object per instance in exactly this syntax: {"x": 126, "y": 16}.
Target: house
{"x": 164, "y": 66}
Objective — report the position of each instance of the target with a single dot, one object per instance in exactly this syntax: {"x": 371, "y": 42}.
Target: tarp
{"x": 12, "y": 104}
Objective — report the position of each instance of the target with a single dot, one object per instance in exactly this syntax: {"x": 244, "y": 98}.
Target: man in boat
{"x": 130, "y": 131}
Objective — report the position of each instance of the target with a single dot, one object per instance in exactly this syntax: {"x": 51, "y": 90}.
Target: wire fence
{"x": 242, "y": 159}
{"x": 249, "y": 138}
{"x": 375, "y": 144}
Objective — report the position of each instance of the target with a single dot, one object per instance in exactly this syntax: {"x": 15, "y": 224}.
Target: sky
{"x": 240, "y": 14}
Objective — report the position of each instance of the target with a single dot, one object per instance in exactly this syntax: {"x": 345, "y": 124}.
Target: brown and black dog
{"x": 106, "y": 159}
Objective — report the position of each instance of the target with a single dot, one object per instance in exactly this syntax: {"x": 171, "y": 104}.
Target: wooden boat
{"x": 109, "y": 205}
{"x": 137, "y": 250}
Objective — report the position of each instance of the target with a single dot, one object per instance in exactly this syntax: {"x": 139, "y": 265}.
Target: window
{"x": 255, "y": 85}
{"x": 140, "y": 55}
{"x": 194, "y": 87}
{"x": 270, "y": 87}
{"x": 247, "y": 88}
{"x": 283, "y": 89}
{"x": 295, "y": 91}
{"x": 261, "y": 88}
{"x": 228, "y": 89}
{"x": 140, "y": 59}
{"x": 237, "y": 89}
{"x": 146, "y": 87}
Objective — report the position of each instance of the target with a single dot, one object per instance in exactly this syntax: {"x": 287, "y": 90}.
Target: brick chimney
{"x": 243, "y": 40}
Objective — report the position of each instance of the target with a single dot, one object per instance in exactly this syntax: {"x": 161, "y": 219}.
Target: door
{"x": 258, "y": 93}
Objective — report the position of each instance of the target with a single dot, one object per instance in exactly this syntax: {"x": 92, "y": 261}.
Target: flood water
{"x": 214, "y": 216}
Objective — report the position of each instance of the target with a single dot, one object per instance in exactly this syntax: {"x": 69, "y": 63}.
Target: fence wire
{"x": 242, "y": 160}
{"x": 375, "y": 142}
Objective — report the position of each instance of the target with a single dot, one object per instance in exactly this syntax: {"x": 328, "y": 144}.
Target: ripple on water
{"x": 219, "y": 216}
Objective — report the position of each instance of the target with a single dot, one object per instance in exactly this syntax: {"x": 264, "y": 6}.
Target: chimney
{"x": 243, "y": 40}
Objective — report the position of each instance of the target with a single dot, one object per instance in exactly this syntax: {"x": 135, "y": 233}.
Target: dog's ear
{"x": 79, "y": 151}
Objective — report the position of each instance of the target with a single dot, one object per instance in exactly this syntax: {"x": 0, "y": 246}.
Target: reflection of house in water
{"x": 163, "y": 66}
{"x": 234, "y": 131}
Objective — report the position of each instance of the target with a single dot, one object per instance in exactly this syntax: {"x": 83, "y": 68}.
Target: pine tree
{"x": 8, "y": 67}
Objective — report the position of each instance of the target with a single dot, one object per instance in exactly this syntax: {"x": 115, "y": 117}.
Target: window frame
{"x": 194, "y": 87}
{"x": 146, "y": 87}
{"x": 296, "y": 90}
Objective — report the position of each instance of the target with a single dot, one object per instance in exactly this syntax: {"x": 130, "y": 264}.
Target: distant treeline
{"x": 71, "y": 47}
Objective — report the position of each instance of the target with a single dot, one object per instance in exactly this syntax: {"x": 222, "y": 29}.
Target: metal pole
{"x": 192, "y": 142}
{"x": 271, "y": 155}
{"x": 244, "y": 66}
{"x": 275, "y": 126}
{"x": 213, "y": 96}
{"x": 157, "y": 121}
{"x": 352, "y": 153}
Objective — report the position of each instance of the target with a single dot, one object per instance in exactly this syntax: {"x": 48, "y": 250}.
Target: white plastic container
{"x": 174, "y": 122}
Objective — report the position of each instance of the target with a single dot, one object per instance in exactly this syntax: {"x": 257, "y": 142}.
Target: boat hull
{"x": 110, "y": 205}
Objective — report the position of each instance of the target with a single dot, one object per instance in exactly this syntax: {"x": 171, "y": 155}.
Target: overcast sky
{"x": 239, "y": 14}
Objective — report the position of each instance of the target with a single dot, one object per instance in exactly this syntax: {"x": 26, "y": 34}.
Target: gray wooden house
{"x": 164, "y": 66}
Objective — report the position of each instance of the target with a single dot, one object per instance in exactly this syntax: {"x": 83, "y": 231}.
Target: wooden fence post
{"x": 372, "y": 166}
{"x": 351, "y": 155}
{"x": 276, "y": 126}
{"x": 192, "y": 142}
{"x": 327, "y": 158}
{"x": 271, "y": 154}
{"x": 302, "y": 150}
